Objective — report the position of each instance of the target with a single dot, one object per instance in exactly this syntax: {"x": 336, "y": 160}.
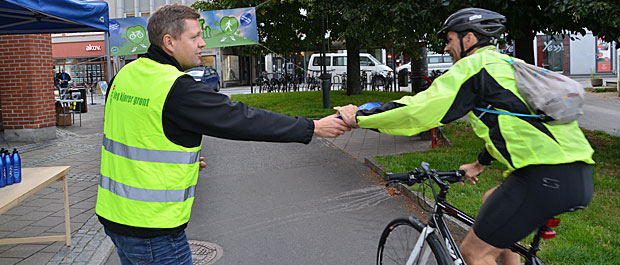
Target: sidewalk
{"x": 43, "y": 213}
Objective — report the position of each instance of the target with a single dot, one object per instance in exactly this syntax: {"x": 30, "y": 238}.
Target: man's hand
{"x": 330, "y": 127}
{"x": 202, "y": 164}
{"x": 348, "y": 115}
{"x": 472, "y": 171}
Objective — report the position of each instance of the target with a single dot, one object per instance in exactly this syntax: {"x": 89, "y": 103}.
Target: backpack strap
{"x": 510, "y": 113}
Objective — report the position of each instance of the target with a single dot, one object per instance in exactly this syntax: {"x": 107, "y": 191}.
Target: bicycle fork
{"x": 419, "y": 245}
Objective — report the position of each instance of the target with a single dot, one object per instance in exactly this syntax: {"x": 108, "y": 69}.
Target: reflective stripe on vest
{"x": 150, "y": 155}
{"x": 146, "y": 195}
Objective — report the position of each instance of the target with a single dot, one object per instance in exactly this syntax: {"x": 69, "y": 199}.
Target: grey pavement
{"x": 262, "y": 203}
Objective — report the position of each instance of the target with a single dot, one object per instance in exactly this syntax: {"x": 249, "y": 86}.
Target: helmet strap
{"x": 478, "y": 44}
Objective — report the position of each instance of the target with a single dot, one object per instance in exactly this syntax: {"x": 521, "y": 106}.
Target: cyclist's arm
{"x": 485, "y": 157}
{"x": 450, "y": 97}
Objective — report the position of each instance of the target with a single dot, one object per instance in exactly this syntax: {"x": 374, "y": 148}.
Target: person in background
{"x": 155, "y": 119}
{"x": 63, "y": 78}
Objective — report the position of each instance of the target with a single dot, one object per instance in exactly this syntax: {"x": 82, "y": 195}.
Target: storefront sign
{"x": 91, "y": 47}
{"x": 220, "y": 28}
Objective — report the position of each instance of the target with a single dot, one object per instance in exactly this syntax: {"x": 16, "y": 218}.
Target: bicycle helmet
{"x": 484, "y": 22}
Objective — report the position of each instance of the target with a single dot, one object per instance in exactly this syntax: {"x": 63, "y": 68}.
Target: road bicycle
{"x": 412, "y": 241}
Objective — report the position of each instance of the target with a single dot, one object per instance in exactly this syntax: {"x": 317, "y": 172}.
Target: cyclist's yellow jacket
{"x": 146, "y": 180}
{"x": 483, "y": 79}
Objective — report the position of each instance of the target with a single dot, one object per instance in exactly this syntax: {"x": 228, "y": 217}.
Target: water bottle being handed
{"x": 17, "y": 166}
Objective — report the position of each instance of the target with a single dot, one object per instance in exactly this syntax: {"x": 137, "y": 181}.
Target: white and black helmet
{"x": 481, "y": 21}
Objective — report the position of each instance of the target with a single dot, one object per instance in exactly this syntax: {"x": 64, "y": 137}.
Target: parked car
{"x": 436, "y": 62}
{"x": 336, "y": 63}
{"x": 206, "y": 74}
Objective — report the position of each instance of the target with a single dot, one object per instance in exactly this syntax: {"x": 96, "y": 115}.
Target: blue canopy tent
{"x": 52, "y": 16}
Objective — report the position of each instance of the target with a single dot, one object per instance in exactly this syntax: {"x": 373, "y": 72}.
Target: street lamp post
{"x": 325, "y": 77}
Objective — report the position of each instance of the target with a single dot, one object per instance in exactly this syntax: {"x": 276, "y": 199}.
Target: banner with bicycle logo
{"x": 220, "y": 28}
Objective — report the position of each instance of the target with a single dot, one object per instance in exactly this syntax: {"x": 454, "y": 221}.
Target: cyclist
{"x": 549, "y": 167}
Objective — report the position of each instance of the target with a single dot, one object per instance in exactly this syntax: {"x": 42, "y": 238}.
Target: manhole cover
{"x": 204, "y": 253}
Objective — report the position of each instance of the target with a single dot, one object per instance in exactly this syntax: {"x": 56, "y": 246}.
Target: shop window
{"x": 553, "y": 50}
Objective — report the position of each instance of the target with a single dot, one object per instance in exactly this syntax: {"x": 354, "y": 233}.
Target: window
{"x": 340, "y": 61}
{"x": 364, "y": 61}
{"x": 130, "y": 15}
{"x": 317, "y": 61}
{"x": 145, "y": 14}
{"x": 434, "y": 59}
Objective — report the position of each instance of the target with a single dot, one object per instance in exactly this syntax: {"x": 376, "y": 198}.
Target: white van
{"x": 336, "y": 63}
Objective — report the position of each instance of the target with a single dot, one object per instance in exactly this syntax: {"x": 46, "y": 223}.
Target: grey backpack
{"x": 556, "y": 98}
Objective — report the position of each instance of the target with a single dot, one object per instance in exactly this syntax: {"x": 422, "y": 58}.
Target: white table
{"x": 34, "y": 180}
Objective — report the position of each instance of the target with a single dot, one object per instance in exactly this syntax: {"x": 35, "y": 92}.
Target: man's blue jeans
{"x": 172, "y": 250}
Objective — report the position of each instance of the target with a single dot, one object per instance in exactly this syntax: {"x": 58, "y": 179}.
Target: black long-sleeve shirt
{"x": 192, "y": 110}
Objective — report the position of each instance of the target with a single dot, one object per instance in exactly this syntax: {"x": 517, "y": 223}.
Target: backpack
{"x": 556, "y": 98}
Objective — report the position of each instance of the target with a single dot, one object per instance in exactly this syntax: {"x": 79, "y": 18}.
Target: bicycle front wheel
{"x": 398, "y": 244}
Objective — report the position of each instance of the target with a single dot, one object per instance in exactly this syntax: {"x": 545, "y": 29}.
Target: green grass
{"x": 310, "y": 104}
{"x": 583, "y": 237}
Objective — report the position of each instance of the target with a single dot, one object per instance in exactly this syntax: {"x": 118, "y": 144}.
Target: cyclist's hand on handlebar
{"x": 330, "y": 126}
{"x": 472, "y": 171}
{"x": 348, "y": 115}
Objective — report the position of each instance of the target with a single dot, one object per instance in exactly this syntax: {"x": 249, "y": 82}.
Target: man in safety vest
{"x": 549, "y": 166}
{"x": 155, "y": 117}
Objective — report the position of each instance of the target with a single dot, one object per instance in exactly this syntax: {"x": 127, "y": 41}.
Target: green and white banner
{"x": 220, "y": 28}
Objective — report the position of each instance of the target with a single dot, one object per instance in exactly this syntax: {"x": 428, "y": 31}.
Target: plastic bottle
{"x": 8, "y": 164}
{"x": 2, "y": 173}
{"x": 17, "y": 166}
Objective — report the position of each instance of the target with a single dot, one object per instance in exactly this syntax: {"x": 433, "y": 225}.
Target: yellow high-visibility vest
{"x": 146, "y": 180}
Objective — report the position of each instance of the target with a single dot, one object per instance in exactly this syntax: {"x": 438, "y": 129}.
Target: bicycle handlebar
{"x": 418, "y": 175}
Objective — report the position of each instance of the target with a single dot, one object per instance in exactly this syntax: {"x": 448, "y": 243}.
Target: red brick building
{"x": 27, "y": 88}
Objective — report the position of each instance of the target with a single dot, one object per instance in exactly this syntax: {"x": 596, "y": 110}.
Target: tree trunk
{"x": 353, "y": 67}
{"x": 524, "y": 49}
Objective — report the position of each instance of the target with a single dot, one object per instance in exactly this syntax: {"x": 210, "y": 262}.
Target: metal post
{"x": 325, "y": 77}
{"x": 107, "y": 56}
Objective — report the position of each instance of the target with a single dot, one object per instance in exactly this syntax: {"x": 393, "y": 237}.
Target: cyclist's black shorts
{"x": 529, "y": 197}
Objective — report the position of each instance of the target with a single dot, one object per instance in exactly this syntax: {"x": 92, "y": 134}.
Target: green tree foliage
{"x": 410, "y": 24}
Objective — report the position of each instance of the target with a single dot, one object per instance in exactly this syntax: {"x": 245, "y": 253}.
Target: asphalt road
{"x": 275, "y": 203}
{"x": 602, "y": 113}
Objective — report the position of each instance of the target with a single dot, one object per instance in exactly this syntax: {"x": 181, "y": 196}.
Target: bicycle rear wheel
{"x": 399, "y": 239}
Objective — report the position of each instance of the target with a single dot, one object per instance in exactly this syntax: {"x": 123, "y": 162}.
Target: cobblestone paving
{"x": 42, "y": 214}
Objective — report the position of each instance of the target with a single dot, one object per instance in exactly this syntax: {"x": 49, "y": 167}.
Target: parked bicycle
{"x": 341, "y": 80}
{"x": 412, "y": 241}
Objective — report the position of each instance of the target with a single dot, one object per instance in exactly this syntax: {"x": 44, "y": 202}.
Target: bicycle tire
{"x": 400, "y": 236}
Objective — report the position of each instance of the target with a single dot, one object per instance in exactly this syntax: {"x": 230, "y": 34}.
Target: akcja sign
{"x": 91, "y": 47}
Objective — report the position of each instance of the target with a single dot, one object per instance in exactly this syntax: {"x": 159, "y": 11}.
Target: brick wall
{"x": 26, "y": 82}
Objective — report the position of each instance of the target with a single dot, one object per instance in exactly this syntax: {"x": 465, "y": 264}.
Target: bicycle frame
{"x": 436, "y": 223}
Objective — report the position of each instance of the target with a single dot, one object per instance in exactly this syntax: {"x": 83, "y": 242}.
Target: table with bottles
{"x": 32, "y": 181}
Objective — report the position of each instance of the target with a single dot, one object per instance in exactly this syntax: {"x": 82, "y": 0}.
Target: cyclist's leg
{"x": 525, "y": 201}
{"x": 507, "y": 256}
{"x": 477, "y": 252}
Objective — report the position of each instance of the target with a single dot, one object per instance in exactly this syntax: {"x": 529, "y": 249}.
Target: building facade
{"x": 576, "y": 54}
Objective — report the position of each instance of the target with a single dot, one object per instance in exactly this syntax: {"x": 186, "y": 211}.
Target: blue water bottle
{"x": 17, "y": 166}
{"x": 2, "y": 173}
{"x": 8, "y": 164}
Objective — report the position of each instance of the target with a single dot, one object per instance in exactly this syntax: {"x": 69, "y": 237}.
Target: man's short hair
{"x": 169, "y": 19}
